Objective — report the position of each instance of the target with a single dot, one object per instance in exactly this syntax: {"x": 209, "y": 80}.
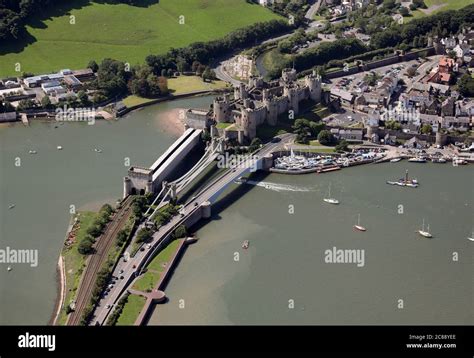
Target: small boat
{"x": 417, "y": 160}
{"x": 59, "y": 147}
{"x": 412, "y": 183}
{"x": 395, "y": 160}
{"x": 9, "y": 268}
{"x": 472, "y": 237}
{"x": 245, "y": 244}
{"x": 358, "y": 226}
{"x": 459, "y": 161}
{"x": 97, "y": 150}
{"x": 11, "y": 206}
{"x": 32, "y": 152}
{"x": 424, "y": 233}
{"x": 329, "y": 199}
{"x": 438, "y": 160}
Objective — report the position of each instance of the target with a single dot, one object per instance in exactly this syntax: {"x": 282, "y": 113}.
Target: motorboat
{"x": 417, "y": 160}
{"x": 459, "y": 161}
{"x": 245, "y": 244}
{"x": 329, "y": 199}
{"x": 9, "y": 268}
{"x": 97, "y": 150}
{"x": 32, "y": 152}
{"x": 358, "y": 226}
{"x": 424, "y": 233}
{"x": 438, "y": 160}
{"x": 395, "y": 160}
{"x": 11, "y": 206}
{"x": 412, "y": 183}
{"x": 59, "y": 147}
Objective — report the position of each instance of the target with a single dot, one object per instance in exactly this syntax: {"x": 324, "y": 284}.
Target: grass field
{"x": 439, "y": 5}
{"x": 150, "y": 278}
{"x": 131, "y": 310}
{"x": 186, "y": 84}
{"x": 124, "y": 32}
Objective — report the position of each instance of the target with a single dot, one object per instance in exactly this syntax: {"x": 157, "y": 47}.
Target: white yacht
{"x": 329, "y": 199}
{"x": 424, "y": 233}
{"x": 358, "y": 226}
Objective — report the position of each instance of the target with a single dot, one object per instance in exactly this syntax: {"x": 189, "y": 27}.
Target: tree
{"x": 25, "y": 104}
{"x": 144, "y": 235}
{"x": 46, "y": 102}
{"x": 85, "y": 246}
{"x": 325, "y": 137}
{"x": 426, "y": 129}
{"x": 83, "y": 98}
{"x": 255, "y": 144}
{"x": 466, "y": 85}
{"x": 180, "y": 232}
{"x": 93, "y": 66}
{"x": 342, "y": 146}
{"x": 404, "y": 11}
{"x": 95, "y": 230}
{"x": 208, "y": 74}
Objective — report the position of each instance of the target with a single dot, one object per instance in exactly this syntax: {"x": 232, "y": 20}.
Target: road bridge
{"x": 195, "y": 209}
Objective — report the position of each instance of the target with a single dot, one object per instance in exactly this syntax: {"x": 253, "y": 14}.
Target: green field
{"x": 447, "y": 5}
{"x": 156, "y": 267}
{"x": 131, "y": 310}
{"x": 186, "y": 84}
{"x": 123, "y": 32}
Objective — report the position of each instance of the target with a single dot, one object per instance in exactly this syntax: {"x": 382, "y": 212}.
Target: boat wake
{"x": 278, "y": 187}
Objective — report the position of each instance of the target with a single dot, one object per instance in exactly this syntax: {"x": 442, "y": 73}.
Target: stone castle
{"x": 258, "y": 103}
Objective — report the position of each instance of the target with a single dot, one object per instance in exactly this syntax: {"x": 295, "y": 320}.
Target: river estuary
{"x": 283, "y": 277}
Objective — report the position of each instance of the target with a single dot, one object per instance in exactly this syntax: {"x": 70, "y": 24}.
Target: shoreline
{"x": 170, "y": 122}
{"x": 60, "y": 281}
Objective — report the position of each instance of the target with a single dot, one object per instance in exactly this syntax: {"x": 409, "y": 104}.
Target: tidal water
{"x": 46, "y": 184}
{"x": 283, "y": 277}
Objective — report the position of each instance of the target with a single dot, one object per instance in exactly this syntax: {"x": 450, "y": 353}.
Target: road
{"x": 130, "y": 269}
{"x": 96, "y": 261}
{"x": 313, "y": 10}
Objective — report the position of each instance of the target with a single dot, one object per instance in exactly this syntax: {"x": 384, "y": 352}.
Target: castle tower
{"x": 221, "y": 109}
{"x": 288, "y": 75}
{"x": 313, "y": 82}
{"x": 248, "y": 123}
{"x": 291, "y": 92}
{"x": 438, "y": 46}
{"x": 271, "y": 106}
{"x": 240, "y": 91}
{"x": 127, "y": 186}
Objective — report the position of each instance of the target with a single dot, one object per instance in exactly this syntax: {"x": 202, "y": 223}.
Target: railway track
{"x": 96, "y": 261}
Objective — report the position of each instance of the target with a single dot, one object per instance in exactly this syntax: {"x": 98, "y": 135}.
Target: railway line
{"x": 97, "y": 260}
